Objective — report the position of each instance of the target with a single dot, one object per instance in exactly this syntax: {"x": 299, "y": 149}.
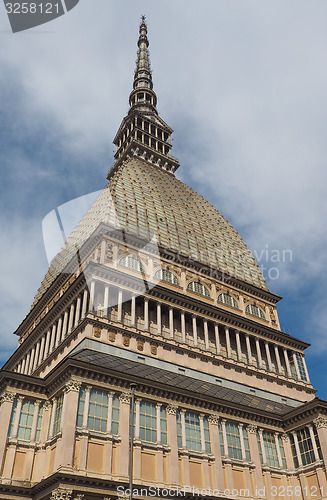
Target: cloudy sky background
{"x": 242, "y": 83}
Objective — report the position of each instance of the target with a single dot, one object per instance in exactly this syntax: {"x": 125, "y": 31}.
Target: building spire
{"x": 142, "y": 76}
{"x": 142, "y": 132}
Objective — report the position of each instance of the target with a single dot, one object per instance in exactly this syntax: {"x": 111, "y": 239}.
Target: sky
{"x": 242, "y": 83}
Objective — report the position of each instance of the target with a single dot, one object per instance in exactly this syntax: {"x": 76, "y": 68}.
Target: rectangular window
{"x": 58, "y": 414}
{"x": 115, "y": 415}
{"x": 148, "y": 422}
{"x": 25, "y": 420}
{"x": 300, "y": 363}
{"x": 38, "y": 425}
{"x": 234, "y": 441}
{"x": 98, "y": 411}
{"x": 271, "y": 449}
{"x": 305, "y": 446}
{"x": 193, "y": 432}
{"x": 80, "y": 408}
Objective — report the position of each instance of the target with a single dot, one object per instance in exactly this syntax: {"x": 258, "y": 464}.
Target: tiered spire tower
{"x": 142, "y": 132}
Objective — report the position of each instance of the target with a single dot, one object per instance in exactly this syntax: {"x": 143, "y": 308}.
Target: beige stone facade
{"x": 154, "y": 287}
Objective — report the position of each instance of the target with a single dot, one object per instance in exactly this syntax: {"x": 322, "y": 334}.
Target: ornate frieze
{"x": 320, "y": 422}
{"x": 252, "y": 428}
{"x": 213, "y": 419}
{"x": 73, "y": 385}
{"x": 172, "y": 409}
{"x": 61, "y": 494}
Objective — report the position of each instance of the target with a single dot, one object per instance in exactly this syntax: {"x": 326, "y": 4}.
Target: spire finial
{"x": 142, "y": 132}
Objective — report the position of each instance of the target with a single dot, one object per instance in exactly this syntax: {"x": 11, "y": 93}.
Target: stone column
{"x": 120, "y": 306}
{"x": 71, "y": 318}
{"x": 53, "y": 338}
{"x": 172, "y": 443}
{"x": 218, "y": 475}
{"x": 45, "y": 421}
{"x": 288, "y": 451}
{"x": 238, "y": 346}
{"x": 306, "y": 369}
{"x": 109, "y": 415}
{"x": 228, "y": 346}
{"x": 7, "y": 400}
{"x": 23, "y": 366}
{"x": 35, "y": 419}
{"x": 160, "y": 466}
{"x": 53, "y": 412}
{"x": 279, "y": 364}
{"x": 255, "y": 456}
{"x": 240, "y": 429}
{"x": 195, "y": 330}
{"x": 146, "y": 314}
{"x": 287, "y": 363}
{"x": 64, "y": 327}
{"x": 91, "y": 301}
{"x": 248, "y": 349}
{"x": 158, "y": 408}
{"x": 137, "y": 419}
{"x": 137, "y": 442}
{"x": 68, "y": 423}
{"x": 182, "y": 412}
{"x": 133, "y": 310}
{"x": 270, "y": 367}
{"x": 206, "y": 334}
{"x": 84, "y": 305}
{"x": 262, "y": 444}
{"x": 321, "y": 426}
{"x": 257, "y": 345}
{"x": 30, "y": 369}
{"x": 297, "y": 448}
{"x": 77, "y": 312}
{"x": 27, "y": 364}
{"x": 108, "y": 445}
{"x": 36, "y": 358}
{"x": 58, "y": 334}
{"x": 123, "y": 452}
{"x": 279, "y": 455}
{"x": 14, "y": 433}
{"x": 218, "y": 347}
{"x": 223, "y": 426}
{"x": 296, "y": 366}
{"x": 183, "y": 327}
{"x": 171, "y": 322}
{"x": 106, "y": 301}
{"x": 158, "y": 318}
{"x": 184, "y": 453}
{"x": 313, "y": 441}
{"x": 42, "y": 349}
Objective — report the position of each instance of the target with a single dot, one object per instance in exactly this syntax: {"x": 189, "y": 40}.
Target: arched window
{"x": 166, "y": 275}
{"x": 196, "y": 287}
{"x": 255, "y": 311}
{"x": 131, "y": 262}
{"x": 228, "y": 300}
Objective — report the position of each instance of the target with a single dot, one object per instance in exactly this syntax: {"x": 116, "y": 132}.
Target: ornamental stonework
{"x": 61, "y": 494}
{"x": 285, "y": 437}
{"x": 213, "y": 419}
{"x": 252, "y": 428}
{"x": 320, "y": 422}
{"x": 73, "y": 385}
{"x": 172, "y": 409}
{"x": 7, "y": 397}
{"x": 112, "y": 336}
{"x": 46, "y": 406}
{"x": 97, "y": 332}
{"x": 125, "y": 397}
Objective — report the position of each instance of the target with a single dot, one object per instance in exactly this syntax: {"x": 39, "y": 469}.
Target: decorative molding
{"x": 47, "y": 406}
{"x": 172, "y": 409}
{"x": 125, "y": 397}
{"x": 285, "y": 437}
{"x": 252, "y": 428}
{"x": 7, "y": 397}
{"x": 73, "y": 385}
{"x": 213, "y": 419}
{"x": 320, "y": 422}
{"x": 61, "y": 494}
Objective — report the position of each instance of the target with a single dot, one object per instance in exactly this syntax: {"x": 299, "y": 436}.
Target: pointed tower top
{"x": 142, "y": 132}
{"x": 142, "y": 75}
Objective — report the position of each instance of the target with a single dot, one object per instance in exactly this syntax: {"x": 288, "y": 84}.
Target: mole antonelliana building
{"x": 154, "y": 287}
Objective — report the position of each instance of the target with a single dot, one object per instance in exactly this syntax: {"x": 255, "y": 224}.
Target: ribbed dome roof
{"x": 147, "y": 201}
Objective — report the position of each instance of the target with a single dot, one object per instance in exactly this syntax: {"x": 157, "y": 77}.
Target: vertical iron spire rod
{"x": 131, "y": 437}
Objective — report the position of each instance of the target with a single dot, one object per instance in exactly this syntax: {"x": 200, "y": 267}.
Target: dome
{"x": 146, "y": 201}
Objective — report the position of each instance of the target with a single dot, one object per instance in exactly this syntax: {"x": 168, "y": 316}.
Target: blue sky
{"x": 243, "y": 84}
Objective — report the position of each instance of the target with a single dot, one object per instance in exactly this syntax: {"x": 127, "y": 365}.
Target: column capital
{"x": 61, "y": 494}
{"x": 47, "y": 406}
{"x": 172, "y": 409}
{"x": 7, "y": 397}
{"x": 37, "y": 402}
{"x": 73, "y": 385}
{"x": 276, "y": 434}
{"x": 125, "y": 397}
{"x": 158, "y": 405}
{"x": 20, "y": 399}
{"x": 260, "y": 430}
{"x": 285, "y": 437}
{"x": 213, "y": 419}
{"x": 252, "y": 428}
{"x": 183, "y": 410}
{"x": 88, "y": 388}
{"x": 320, "y": 422}
{"x": 240, "y": 425}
